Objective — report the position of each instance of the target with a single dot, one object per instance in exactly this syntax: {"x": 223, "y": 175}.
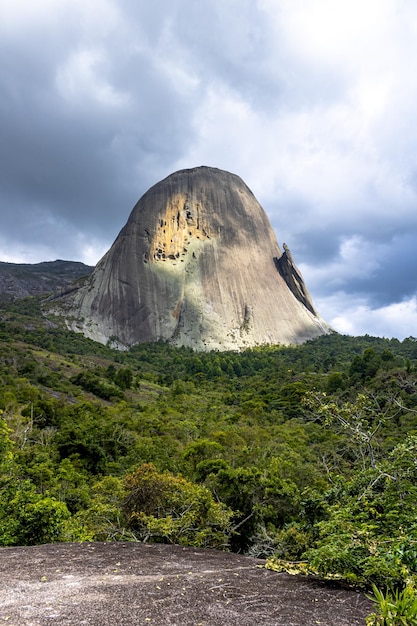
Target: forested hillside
{"x": 303, "y": 453}
{"x": 18, "y": 280}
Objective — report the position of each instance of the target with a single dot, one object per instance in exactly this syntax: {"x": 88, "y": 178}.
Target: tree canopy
{"x": 303, "y": 453}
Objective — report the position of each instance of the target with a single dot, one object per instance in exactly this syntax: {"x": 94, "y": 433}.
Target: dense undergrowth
{"x": 302, "y": 454}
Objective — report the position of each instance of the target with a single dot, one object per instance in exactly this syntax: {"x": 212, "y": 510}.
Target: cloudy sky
{"x": 312, "y": 102}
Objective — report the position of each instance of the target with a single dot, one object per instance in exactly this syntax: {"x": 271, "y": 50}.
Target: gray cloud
{"x": 311, "y": 103}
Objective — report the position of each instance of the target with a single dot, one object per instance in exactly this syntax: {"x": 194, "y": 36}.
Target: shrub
{"x": 165, "y": 508}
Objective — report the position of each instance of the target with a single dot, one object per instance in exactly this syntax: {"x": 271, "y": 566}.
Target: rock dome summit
{"x": 197, "y": 264}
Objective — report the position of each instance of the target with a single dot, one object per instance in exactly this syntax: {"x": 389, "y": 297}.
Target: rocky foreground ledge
{"x": 132, "y": 583}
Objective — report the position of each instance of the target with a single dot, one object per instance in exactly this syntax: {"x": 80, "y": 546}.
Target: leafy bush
{"x": 27, "y": 518}
{"x": 169, "y": 509}
{"x": 370, "y": 534}
{"x": 100, "y": 388}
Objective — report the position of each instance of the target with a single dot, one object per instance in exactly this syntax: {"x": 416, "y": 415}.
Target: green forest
{"x": 302, "y": 454}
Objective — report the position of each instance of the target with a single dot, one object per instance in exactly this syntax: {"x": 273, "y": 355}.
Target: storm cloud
{"x": 311, "y": 102}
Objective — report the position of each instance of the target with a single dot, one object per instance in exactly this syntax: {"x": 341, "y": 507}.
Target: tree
{"x": 31, "y": 518}
{"x": 102, "y": 520}
{"x": 124, "y": 378}
{"x": 165, "y": 508}
{"x": 370, "y": 533}
{"x": 26, "y": 517}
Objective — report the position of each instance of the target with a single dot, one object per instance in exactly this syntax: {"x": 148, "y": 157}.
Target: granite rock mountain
{"x": 197, "y": 264}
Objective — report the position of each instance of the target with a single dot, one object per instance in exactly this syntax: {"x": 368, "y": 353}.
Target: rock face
{"x": 197, "y": 264}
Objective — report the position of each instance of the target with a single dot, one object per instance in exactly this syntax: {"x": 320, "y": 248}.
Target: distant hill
{"x": 19, "y": 280}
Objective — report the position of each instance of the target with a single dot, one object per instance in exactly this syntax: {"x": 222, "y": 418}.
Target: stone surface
{"x": 130, "y": 583}
{"x": 197, "y": 264}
